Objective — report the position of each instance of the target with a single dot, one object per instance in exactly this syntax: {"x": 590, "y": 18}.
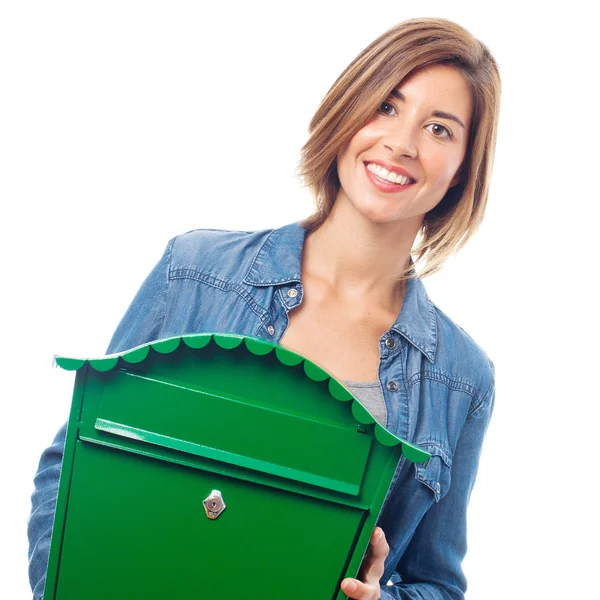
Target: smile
{"x": 387, "y": 181}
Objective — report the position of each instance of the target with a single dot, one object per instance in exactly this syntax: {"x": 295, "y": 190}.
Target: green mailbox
{"x": 213, "y": 465}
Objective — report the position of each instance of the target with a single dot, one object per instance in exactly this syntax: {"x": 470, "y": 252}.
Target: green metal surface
{"x": 254, "y": 345}
{"x": 302, "y": 466}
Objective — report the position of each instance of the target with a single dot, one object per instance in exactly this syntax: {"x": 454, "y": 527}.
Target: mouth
{"x": 387, "y": 181}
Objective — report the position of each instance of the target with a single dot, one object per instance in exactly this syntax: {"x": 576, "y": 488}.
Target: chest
{"x": 342, "y": 341}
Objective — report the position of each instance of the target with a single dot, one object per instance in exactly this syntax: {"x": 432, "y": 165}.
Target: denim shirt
{"x": 437, "y": 383}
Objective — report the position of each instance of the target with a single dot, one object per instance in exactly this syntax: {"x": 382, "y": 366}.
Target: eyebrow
{"x": 436, "y": 113}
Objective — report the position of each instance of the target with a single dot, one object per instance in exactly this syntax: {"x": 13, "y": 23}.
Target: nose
{"x": 400, "y": 140}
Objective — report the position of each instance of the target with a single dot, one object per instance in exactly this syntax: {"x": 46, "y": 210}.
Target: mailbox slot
{"x": 296, "y": 447}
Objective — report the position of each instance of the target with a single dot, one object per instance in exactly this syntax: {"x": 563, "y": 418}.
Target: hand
{"x": 371, "y": 570}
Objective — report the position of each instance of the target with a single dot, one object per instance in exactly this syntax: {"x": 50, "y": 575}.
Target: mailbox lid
{"x": 301, "y": 447}
{"x": 171, "y": 352}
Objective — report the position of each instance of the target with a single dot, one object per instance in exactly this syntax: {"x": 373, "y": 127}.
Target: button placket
{"x": 392, "y": 381}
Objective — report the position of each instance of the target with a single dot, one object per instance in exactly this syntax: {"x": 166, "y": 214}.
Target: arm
{"x": 431, "y": 565}
{"x": 142, "y": 323}
{"x": 43, "y": 505}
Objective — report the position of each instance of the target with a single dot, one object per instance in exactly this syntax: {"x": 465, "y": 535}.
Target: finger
{"x": 360, "y": 591}
{"x": 379, "y": 545}
{"x": 374, "y": 563}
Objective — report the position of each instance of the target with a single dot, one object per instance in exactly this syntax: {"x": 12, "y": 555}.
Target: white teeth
{"x": 388, "y": 175}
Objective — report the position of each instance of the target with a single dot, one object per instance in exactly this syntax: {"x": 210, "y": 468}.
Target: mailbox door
{"x": 137, "y": 528}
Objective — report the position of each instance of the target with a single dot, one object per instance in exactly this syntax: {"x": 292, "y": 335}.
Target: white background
{"x": 125, "y": 123}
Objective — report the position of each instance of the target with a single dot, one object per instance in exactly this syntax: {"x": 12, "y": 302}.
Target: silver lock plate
{"x": 214, "y": 504}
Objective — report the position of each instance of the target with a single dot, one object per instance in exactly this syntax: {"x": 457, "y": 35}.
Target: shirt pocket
{"x": 435, "y": 473}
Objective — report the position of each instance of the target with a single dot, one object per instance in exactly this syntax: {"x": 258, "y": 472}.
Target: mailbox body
{"x": 301, "y": 467}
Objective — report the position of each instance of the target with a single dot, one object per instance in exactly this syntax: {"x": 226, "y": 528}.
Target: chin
{"x": 375, "y": 213}
{"x": 377, "y": 218}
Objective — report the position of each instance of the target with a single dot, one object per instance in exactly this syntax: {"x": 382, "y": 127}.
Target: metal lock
{"x": 214, "y": 504}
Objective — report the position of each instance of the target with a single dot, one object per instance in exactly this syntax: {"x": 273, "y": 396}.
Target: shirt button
{"x": 438, "y": 488}
{"x": 392, "y": 386}
{"x": 271, "y": 330}
{"x": 390, "y": 342}
{"x": 292, "y": 293}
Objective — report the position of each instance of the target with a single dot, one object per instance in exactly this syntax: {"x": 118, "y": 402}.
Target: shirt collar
{"x": 279, "y": 261}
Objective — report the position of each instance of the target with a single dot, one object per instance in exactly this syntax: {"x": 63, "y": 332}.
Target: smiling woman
{"x": 401, "y": 140}
{"x": 399, "y": 160}
{"x": 428, "y": 78}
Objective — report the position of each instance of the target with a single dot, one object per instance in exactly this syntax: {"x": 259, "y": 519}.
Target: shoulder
{"x": 462, "y": 359}
{"x": 216, "y": 252}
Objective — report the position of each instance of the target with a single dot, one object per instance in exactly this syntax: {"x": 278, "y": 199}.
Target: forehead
{"x": 438, "y": 87}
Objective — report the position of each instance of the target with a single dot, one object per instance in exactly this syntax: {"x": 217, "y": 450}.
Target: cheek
{"x": 343, "y": 166}
{"x": 348, "y": 157}
{"x": 442, "y": 168}
{"x": 361, "y": 142}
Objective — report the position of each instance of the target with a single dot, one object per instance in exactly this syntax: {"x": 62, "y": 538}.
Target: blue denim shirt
{"x": 438, "y": 387}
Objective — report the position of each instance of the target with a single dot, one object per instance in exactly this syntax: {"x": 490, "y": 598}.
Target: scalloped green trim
{"x": 166, "y": 346}
{"x": 257, "y": 347}
{"x": 287, "y": 357}
{"x": 197, "y": 341}
{"x": 387, "y": 438}
{"x": 361, "y": 414}
{"x": 69, "y": 364}
{"x": 414, "y": 453}
{"x": 314, "y": 371}
{"x": 136, "y": 355}
{"x": 104, "y": 364}
{"x": 338, "y": 391}
{"x": 228, "y": 341}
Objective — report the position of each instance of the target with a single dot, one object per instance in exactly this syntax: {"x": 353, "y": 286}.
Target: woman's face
{"x": 422, "y": 130}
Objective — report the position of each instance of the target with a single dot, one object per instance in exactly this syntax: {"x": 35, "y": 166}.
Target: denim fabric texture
{"x": 438, "y": 387}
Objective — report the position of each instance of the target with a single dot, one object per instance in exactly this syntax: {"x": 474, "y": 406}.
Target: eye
{"x": 386, "y": 108}
{"x": 440, "y": 128}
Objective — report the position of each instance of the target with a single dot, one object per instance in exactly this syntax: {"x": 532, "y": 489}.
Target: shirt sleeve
{"x": 145, "y": 316}
{"x": 141, "y": 323}
{"x": 430, "y": 568}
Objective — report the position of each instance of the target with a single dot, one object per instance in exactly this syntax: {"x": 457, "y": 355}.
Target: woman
{"x": 399, "y": 159}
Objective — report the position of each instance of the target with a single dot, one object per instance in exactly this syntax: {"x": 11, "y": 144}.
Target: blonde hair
{"x": 367, "y": 82}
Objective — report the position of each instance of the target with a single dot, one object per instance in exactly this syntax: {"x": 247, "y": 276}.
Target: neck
{"x": 360, "y": 260}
